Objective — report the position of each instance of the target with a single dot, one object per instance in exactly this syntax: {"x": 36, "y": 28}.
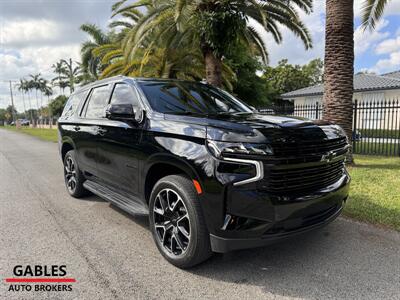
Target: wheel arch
{"x": 164, "y": 165}
{"x": 66, "y": 146}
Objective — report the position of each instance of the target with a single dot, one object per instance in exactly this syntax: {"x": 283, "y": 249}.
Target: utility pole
{"x": 12, "y": 104}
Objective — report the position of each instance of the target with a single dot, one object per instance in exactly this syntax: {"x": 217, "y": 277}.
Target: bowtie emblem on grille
{"x": 328, "y": 157}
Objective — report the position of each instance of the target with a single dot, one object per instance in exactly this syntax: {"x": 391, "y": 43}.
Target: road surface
{"x": 112, "y": 255}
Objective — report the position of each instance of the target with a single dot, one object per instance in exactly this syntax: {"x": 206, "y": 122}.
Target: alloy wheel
{"x": 70, "y": 174}
{"x": 171, "y": 221}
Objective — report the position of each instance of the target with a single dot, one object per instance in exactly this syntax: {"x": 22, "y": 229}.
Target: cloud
{"x": 365, "y": 40}
{"x": 23, "y": 33}
{"x": 388, "y": 46}
{"x": 388, "y": 64}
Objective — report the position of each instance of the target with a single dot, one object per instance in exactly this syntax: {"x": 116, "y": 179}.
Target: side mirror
{"x": 124, "y": 112}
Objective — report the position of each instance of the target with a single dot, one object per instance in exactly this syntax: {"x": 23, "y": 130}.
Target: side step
{"x": 124, "y": 201}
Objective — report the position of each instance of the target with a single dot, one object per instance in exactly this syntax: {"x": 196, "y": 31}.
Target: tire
{"x": 73, "y": 177}
{"x": 174, "y": 197}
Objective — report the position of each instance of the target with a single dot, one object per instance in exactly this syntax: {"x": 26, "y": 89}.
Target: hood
{"x": 261, "y": 128}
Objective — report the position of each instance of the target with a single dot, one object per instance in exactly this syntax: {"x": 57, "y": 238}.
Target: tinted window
{"x": 183, "y": 97}
{"x": 73, "y": 103}
{"x": 124, "y": 94}
{"x": 97, "y": 102}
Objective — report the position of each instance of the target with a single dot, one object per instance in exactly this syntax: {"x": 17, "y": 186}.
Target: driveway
{"x": 112, "y": 255}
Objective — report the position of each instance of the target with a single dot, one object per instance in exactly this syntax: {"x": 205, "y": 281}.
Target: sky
{"x": 34, "y": 34}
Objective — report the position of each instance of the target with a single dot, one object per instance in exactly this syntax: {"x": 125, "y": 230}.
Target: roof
{"x": 362, "y": 82}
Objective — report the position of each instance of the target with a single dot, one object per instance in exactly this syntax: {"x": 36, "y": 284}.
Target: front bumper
{"x": 269, "y": 220}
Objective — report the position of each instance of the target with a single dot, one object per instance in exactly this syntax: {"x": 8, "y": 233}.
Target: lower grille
{"x": 302, "y": 180}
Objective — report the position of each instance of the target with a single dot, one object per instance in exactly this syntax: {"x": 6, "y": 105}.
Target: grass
{"x": 375, "y": 191}
{"x": 44, "y": 134}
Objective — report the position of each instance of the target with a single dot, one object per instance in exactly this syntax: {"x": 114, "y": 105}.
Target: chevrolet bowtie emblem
{"x": 328, "y": 157}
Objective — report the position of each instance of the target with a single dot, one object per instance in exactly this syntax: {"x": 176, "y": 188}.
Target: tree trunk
{"x": 339, "y": 65}
{"x": 213, "y": 69}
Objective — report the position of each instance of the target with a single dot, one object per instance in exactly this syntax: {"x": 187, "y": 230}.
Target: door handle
{"x": 77, "y": 128}
{"x": 101, "y": 131}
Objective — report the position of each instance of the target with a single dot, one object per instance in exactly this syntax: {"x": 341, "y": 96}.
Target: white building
{"x": 367, "y": 88}
{"x": 371, "y": 91}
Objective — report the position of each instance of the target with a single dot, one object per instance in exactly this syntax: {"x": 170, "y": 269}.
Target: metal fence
{"x": 376, "y": 124}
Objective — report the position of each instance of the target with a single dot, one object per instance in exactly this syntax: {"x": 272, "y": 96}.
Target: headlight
{"x": 228, "y": 149}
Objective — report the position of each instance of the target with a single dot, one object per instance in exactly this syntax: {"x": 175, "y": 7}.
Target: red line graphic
{"x": 40, "y": 280}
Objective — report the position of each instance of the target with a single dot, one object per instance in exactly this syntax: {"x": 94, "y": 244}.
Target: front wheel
{"x": 177, "y": 222}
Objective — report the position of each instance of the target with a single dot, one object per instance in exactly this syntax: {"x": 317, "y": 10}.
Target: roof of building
{"x": 362, "y": 82}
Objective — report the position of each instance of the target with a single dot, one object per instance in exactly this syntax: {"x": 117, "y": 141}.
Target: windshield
{"x": 190, "y": 97}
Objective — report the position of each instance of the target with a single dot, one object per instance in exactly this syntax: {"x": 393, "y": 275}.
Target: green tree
{"x": 56, "y": 106}
{"x": 9, "y": 113}
{"x": 249, "y": 87}
{"x": 286, "y": 77}
{"x": 2, "y": 115}
{"x": 214, "y": 27}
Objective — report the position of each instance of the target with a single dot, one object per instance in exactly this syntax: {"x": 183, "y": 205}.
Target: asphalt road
{"x": 112, "y": 255}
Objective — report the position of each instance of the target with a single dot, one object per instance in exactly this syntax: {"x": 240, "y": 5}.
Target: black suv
{"x": 212, "y": 174}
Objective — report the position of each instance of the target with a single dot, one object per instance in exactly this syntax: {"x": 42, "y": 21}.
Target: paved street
{"x": 112, "y": 254}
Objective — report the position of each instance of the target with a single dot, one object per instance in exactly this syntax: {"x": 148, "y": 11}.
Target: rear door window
{"x": 98, "y": 101}
{"x": 73, "y": 103}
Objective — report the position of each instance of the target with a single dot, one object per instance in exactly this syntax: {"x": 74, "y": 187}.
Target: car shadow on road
{"x": 345, "y": 260}
{"x": 339, "y": 261}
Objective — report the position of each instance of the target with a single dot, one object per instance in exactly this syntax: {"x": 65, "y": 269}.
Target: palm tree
{"x": 21, "y": 88}
{"x": 339, "y": 64}
{"x": 70, "y": 73}
{"x": 372, "y": 11}
{"x": 36, "y": 84}
{"x": 91, "y": 64}
{"x": 213, "y": 27}
{"x": 63, "y": 85}
{"x": 59, "y": 69}
{"x": 27, "y": 88}
{"x": 48, "y": 91}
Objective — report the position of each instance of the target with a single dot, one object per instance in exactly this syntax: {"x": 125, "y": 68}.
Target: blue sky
{"x": 35, "y": 34}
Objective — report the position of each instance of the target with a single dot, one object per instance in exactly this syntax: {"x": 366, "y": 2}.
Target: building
{"x": 371, "y": 92}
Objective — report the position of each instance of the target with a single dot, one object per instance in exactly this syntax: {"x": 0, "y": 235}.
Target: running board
{"x": 124, "y": 201}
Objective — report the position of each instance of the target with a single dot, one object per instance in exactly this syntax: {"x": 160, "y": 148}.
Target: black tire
{"x": 196, "y": 248}
{"x": 73, "y": 177}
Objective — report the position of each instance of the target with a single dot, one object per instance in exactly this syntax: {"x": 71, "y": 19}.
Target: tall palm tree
{"x": 214, "y": 27}
{"x": 27, "y": 88}
{"x": 372, "y": 11}
{"x": 21, "y": 88}
{"x": 91, "y": 64}
{"x": 339, "y": 64}
{"x": 59, "y": 69}
{"x": 48, "y": 91}
{"x": 36, "y": 84}
{"x": 70, "y": 73}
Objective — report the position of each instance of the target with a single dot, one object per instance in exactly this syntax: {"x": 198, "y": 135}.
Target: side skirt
{"x": 124, "y": 201}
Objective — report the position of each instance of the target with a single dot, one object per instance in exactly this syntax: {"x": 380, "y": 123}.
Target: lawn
{"x": 375, "y": 191}
{"x": 44, "y": 134}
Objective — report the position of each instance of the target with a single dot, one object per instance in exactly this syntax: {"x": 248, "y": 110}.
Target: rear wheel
{"x": 74, "y": 178}
{"x": 177, "y": 222}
